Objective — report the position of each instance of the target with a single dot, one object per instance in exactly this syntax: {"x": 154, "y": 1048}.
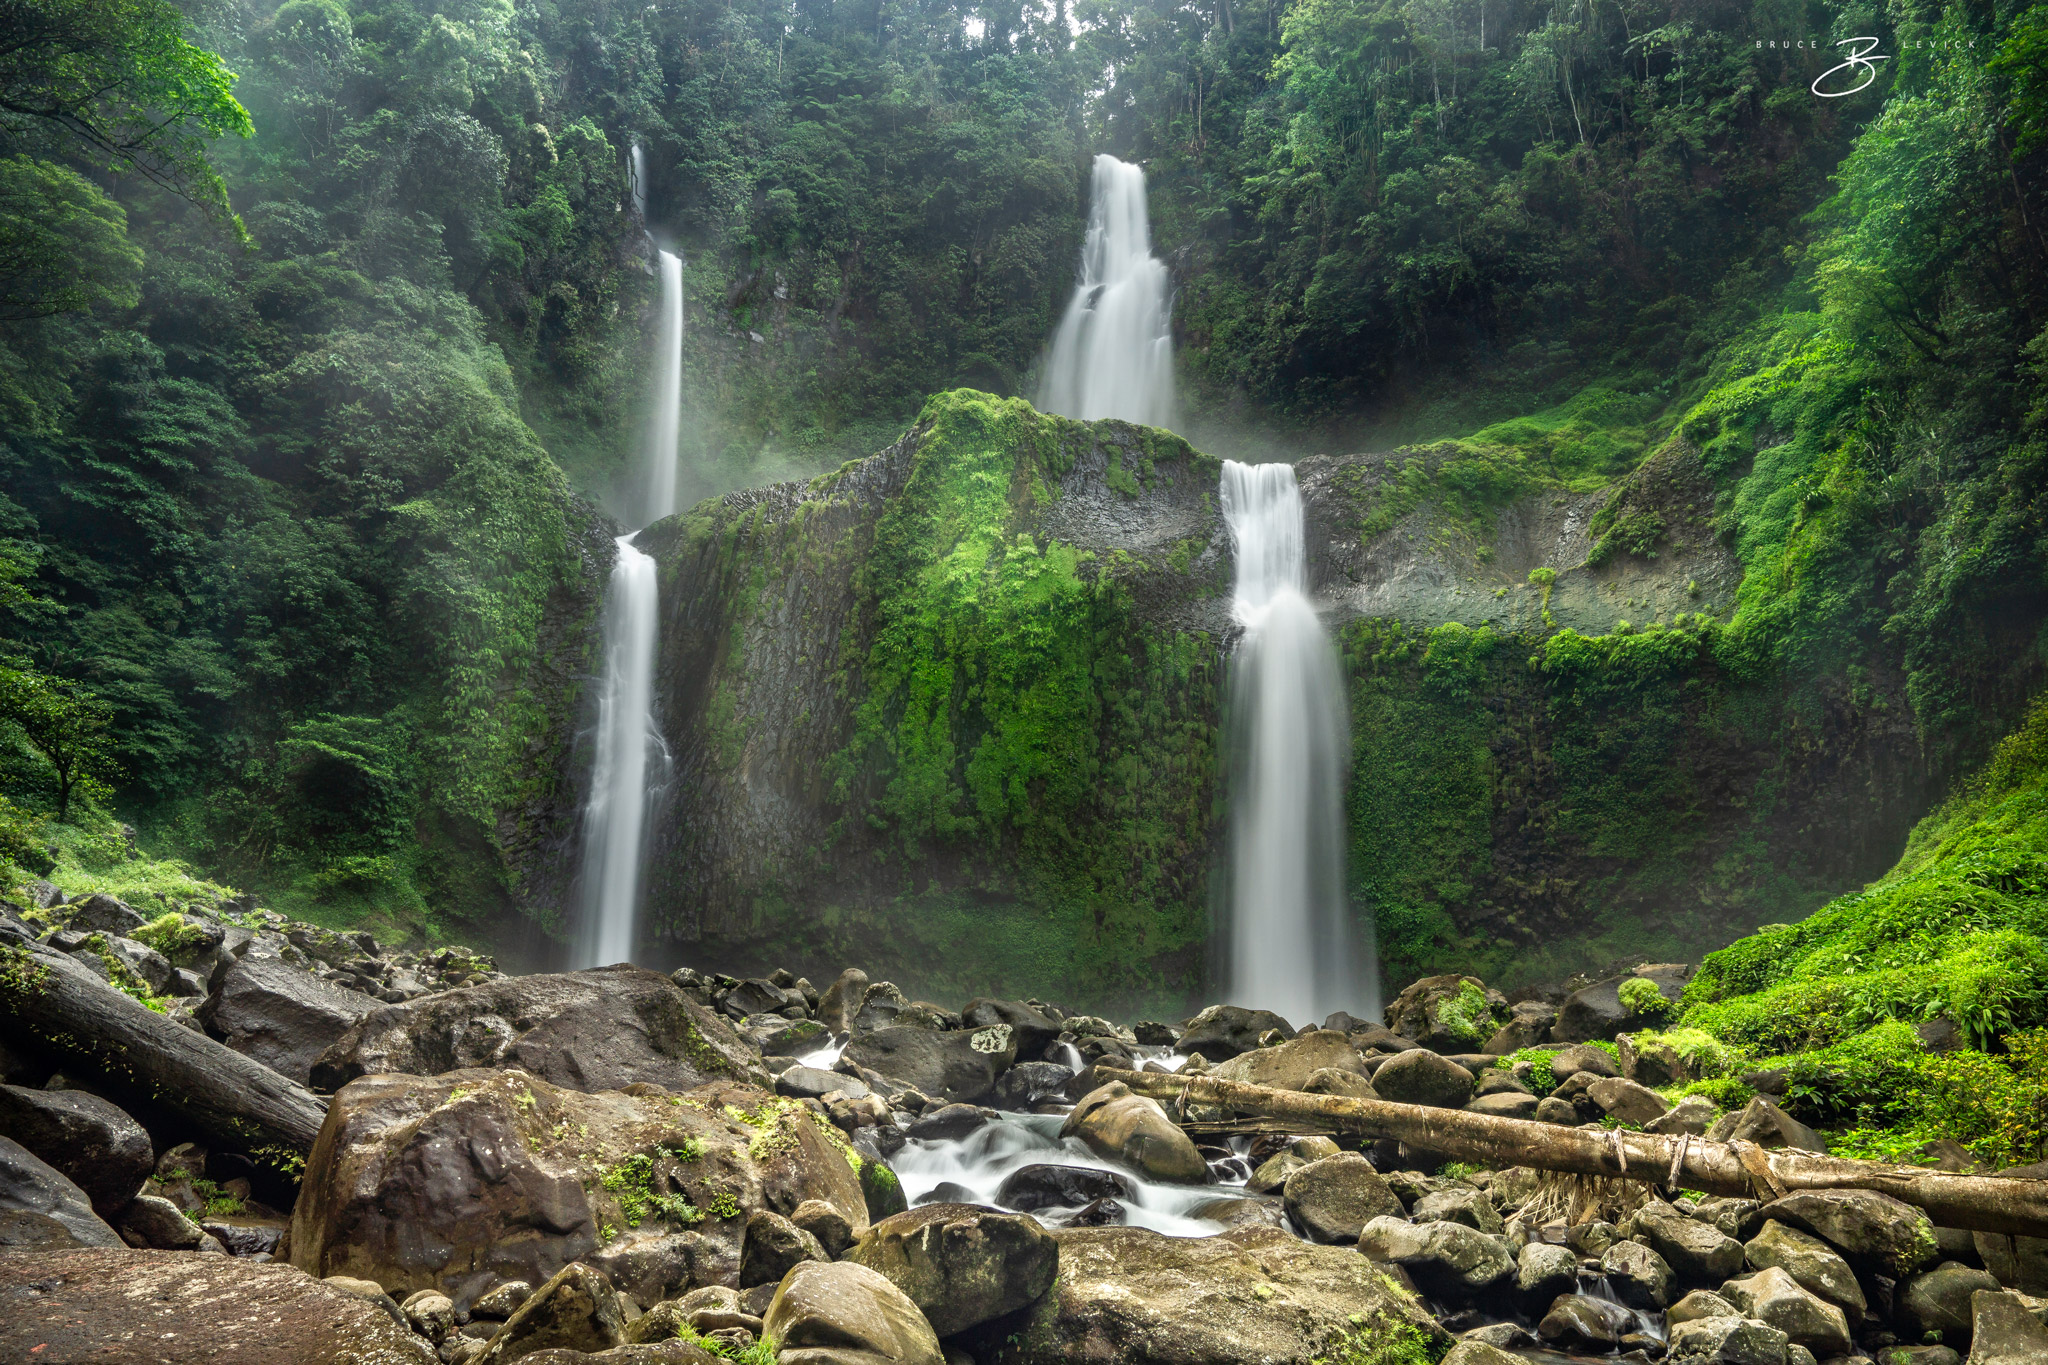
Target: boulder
{"x": 602, "y": 1029}
{"x": 168, "y": 1308}
{"x": 774, "y": 1247}
{"x": 840, "y": 1313}
{"x": 826, "y": 1222}
{"x": 1728, "y": 1341}
{"x": 1248, "y": 1294}
{"x": 880, "y": 1003}
{"x": 1940, "y": 1301}
{"x": 841, "y": 1000}
{"x": 1221, "y": 1032}
{"x": 2004, "y": 1332}
{"x": 1031, "y": 1188}
{"x": 153, "y": 1222}
{"x": 1735, "y": 1217}
{"x": 501, "y": 1302}
{"x": 1033, "y": 1029}
{"x": 1697, "y": 1252}
{"x": 1584, "y": 1322}
{"x": 1639, "y": 1275}
{"x": 757, "y": 995}
{"x": 1459, "y": 1204}
{"x": 462, "y": 1182}
{"x": 145, "y": 963}
{"x": 1446, "y": 1259}
{"x": 1761, "y": 1121}
{"x": 284, "y": 1017}
{"x": 431, "y": 1315}
{"x": 40, "y": 1209}
{"x": 1418, "y": 1013}
{"x": 1817, "y": 1268}
{"x": 1273, "y": 1172}
{"x": 948, "y": 1122}
{"x": 1568, "y": 1062}
{"x": 1289, "y": 1065}
{"x": 1120, "y": 1126}
{"x": 1651, "y": 1063}
{"x": 1507, "y": 1104}
{"x": 1776, "y": 1299}
{"x": 1563, "y": 1113}
{"x": 1701, "y": 1303}
{"x": 102, "y": 1150}
{"x": 809, "y": 1083}
{"x": 1694, "y": 1114}
{"x": 1875, "y": 1233}
{"x": 576, "y": 1310}
{"x": 955, "y": 1067}
{"x": 1543, "y": 1272}
{"x": 1331, "y": 1080}
{"x": 1597, "y": 1011}
{"x": 1332, "y": 1199}
{"x": 1528, "y": 1025}
{"x": 99, "y": 914}
{"x": 1626, "y": 1101}
{"x": 1474, "y": 1352}
{"x": 961, "y": 1264}
{"x": 1030, "y": 1083}
{"x": 1422, "y": 1077}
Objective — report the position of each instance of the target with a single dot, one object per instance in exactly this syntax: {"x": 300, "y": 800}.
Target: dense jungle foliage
{"x": 325, "y": 337}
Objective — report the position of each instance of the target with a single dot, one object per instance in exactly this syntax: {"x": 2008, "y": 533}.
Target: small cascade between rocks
{"x": 1112, "y": 355}
{"x": 1292, "y": 946}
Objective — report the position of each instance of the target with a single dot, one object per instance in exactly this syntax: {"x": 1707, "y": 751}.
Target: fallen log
{"x": 1978, "y": 1203}
{"x": 60, "y": 1007}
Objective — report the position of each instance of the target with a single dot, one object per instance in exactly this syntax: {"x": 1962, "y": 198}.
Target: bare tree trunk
{"x": 61, "y": 1008}
{"x": 1979, "y": 1203}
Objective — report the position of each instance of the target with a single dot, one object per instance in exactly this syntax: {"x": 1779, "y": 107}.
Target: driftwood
{"x": 1979, "y": 1203}
{"x": 57, "y": 1005}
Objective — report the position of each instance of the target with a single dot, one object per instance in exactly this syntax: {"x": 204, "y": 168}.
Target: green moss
{"x": 1467, "y": 1016}
{"x": 1641, "y": 996}
{"x": 1379, "y": 1341}
{"x": 170, "y": 934}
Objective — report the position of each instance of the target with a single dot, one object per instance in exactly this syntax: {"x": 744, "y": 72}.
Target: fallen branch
{"x": 1980, "y": 1203}
{"x": 66, "y": 1011}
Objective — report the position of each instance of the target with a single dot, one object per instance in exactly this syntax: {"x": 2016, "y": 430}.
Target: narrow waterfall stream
{"x": 1113, "y": 353}
{"x": 665, "y": 418}
{"x": 1292, "y": 946}
{"x": 629, "y": 745}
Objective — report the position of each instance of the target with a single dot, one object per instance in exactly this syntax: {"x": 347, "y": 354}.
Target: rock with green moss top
{"x": 1448, "y": 1013}
{"x": 1874, "y": 1232}
{"x": 961, "y": 1264}
{"x": 602, "y": 1029}
{"x": 464, "y": 1181}
{"x": 1251, "y": 1293}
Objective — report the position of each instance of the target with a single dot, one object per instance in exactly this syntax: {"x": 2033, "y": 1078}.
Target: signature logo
{"x": 1861, "y": 64}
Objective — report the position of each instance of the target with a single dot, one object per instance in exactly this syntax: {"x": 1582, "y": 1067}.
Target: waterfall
{"x": 1293, "y": 949}
{"x": 1113, "y": 353}
{"x": 665, "y": 419}
{"x": 615, "y": 816}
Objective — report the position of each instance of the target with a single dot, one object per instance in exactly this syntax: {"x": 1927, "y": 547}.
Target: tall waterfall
{"x": 1113, "y": 353}
{"x": 615, "y": 817}
{"x": 665, "y": 419}
{"x": 1293, "y": 949}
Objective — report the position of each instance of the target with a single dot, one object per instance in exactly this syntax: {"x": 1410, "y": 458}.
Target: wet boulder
{"x": 842, "y": 1000}
{"x": 1776, "y": 1299}
{"x": 92, "y": 1141}
{"x": 1528, "y": 1025}
{"x": 602, "y": 1029}
{"x": 1289, "y": 1065}
{"x": 2003, "y": 1331}
{"x": 1330, "y": 1080}
{"x": 1697, "y": 1252}
{"x": 1939, "y": 1301}
{"x": 956, "y": 1067}
{"x": 1221, "y": 1032}
{"x": 1247, "y": 1294}
{"x": 284, "y": 1017}
{"x": 1332, "y": 1199}
{"x": 463, "y": 1182}
{"x": 1133, "y": 1130}
{"x": 961, "y": 1264}
{"x": 1459, "y": 1204}
{"x": 169, "y": 1308}
{"x": 1701, "y": 1303}
{"x": 1032, "y": 1029}
{"x": 41, "y": 1209}
{"x": 1582, "y": 1322}
{"x": 1031, "y": 1188}
{"x": 1761, "y": 1121}
{"x": 775, "y": 1246}
{"x": 1423, "y": 1077}
{"x": 1030, "y": 1083}
{"x": 1815, "y": 1266}
{"x": 1875, "y": 1233}
{"x": 1543, "y": 1272}
{"x": 1446, "y": 1259}
{"x": 153, "y": 1222}
{"x": 1597, "y": 1012}
{"x": 840, "y": 1313}
{"x": 1626, "y": 1101}
{"x": 1728, "y": 1341}
{"x": 810, "y": 1083}
{"x": 576, "y": 1310}
{"x": 1639, "y": 1275}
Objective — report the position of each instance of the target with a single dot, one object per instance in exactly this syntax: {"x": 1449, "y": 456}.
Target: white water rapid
{"x": 1293, "y": 950}
{"x": 629, "y": 745}
{"x": 1113, "y": 353}
{"x": 665, "y": 418}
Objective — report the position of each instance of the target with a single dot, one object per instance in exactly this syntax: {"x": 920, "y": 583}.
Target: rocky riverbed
{"x": 228, "y": 1137}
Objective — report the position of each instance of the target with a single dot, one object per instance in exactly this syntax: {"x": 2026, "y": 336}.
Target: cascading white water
{"x": 665, "y": 419}
{"x": 1293, "y": 949}
{"x": 628, "y": 746}
{"x": 1113, "y": 353}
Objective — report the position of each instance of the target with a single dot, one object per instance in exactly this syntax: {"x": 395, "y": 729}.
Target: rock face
{"x": 460, "y": 1183}
{"x": 41, "y": 1209}
{"x": 284, "y": 1017}
{"x": 102, "y": 1150}
{"x": 1127, "y": 1296}
{"x": 1423, "y": 1077}
{"x": 1134, "y": 1130}
{"x": 956, "y": 1067}
{"x": 1875, "y": 1233}
{"x": 169, "y": 1308}
{"x": 845, "y": 1314}
{"x": 960, "y": 1264}
{"x": 1331, "y": 1200}
{"x": 603, "y": 1029}
{"x": 1290, "y": 1065}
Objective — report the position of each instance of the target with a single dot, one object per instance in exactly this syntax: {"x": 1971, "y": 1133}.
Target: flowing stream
{"x": 1293, "y": 950}
{"x": 1113, "y": 353}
